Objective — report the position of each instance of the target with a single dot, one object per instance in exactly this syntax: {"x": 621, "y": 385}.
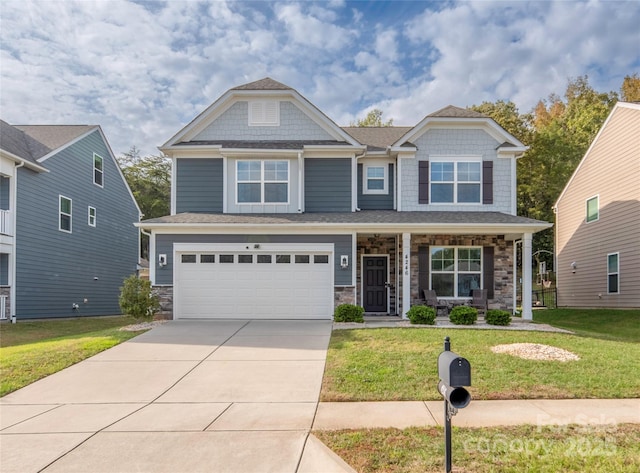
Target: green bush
{"x": 137, "y": 299}
{"x": 498, "y": 317}
{"x": 463, "y": 315}
{"x": 421, "y": 314}
{"x": 349, "y": 313}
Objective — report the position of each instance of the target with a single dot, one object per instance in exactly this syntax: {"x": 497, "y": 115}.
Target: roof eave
{"x": 24, "y": 162}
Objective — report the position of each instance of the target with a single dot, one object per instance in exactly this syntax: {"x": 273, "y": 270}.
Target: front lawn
{"x": 401, "y": 364}
{"x": 608, "y": 324}
{"x": 30, "y": 351}
{"x": 575, "y": 448}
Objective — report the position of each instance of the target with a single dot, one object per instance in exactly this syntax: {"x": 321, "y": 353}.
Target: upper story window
{"x": 613, "y": 273}
{"x": 593, "y": 212}
{"x": 64, "y": 211}
{"x": 455, "y": 182}
{"x": 375, "y": 179}
{"x": 264, "y": 113}
{"x": 262, "y": 182}
{"x": 456, "y": 271}
{"x": 98, "y": 170}
{"x": 92, "y": 216}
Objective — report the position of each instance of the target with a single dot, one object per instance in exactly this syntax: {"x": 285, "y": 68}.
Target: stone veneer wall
{"x": 379, "y": 246}
{"x": 503, "y": 264}
{"x": 166, "y": 301}
{"x": 343, "y": 295}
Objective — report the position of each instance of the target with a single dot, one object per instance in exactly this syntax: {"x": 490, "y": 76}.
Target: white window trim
{"x": 586, "y": 208}
{"x": 385, "y": 178}
{"x": 94, "y": 216}
{"x": 61, "y": 213}
{"x": 456, "y": 272}
{"x": 617, "y": 273}
{"x": 262, "y": 182}
{"x": 455, "y": 160}
{"x": 258, "y": 113}
{"x": 95, "y": 169}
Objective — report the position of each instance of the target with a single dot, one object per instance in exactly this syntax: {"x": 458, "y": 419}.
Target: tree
{"x": 137, "y": 298}
{"x": 373, "y": 118}
{"x": 630, "y": 90}
{"x": 149, "y": 178}
{"x": 506, "y": 115}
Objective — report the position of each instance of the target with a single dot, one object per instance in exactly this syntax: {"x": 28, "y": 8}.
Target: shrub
{"x": 349, "y": 313}
{"x": 498, "y": 317}
{"x": 137, "y": 299}
{"x": 463, "y": 315}
{"x": 421, "y": 314}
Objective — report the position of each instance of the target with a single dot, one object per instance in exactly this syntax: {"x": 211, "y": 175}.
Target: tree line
{"x": 558, "y": 132}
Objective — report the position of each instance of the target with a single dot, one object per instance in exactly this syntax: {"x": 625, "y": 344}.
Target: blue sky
{"x": 142, "y": 70}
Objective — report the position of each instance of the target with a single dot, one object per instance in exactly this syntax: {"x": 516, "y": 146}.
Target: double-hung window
{"x": 98, "y": 170}
{"x": 64, "y": 212}
{"x": 262, "y": 182}
{"x": 92, "y": 216}
{"x": 456, "y": 271}
{"x": 455, "y": 182}
{"x": 592, "y": 209}
{"x": 375, "y": 179}
{"x": 613, "y": 273}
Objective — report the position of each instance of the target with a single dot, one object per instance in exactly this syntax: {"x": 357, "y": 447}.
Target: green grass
{"x": 401, "y": 364}
{"x": 30, "y": 351}
{"x": 575, "y": 448}
{"x": 608, "y": 324}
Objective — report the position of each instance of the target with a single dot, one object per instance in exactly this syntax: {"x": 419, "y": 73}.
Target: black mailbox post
{"x": 455, "y": 373}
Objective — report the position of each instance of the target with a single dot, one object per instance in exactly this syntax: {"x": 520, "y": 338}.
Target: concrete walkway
{"x": 226, "y": 395}
{"x": 232, "y": 396}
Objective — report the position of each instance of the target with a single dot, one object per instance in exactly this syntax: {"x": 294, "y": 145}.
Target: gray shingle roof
{"x": 52, "y": 137}
{"x": 365, "y": 217}
{"x": 451, "y": 111}
{"x": 264, "y": 144}
{"x": 377, "y": 137}
{"x": 263, "y": 84}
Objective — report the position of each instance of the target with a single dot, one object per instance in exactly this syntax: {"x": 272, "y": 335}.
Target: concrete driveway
{"x": 187, "y": 396}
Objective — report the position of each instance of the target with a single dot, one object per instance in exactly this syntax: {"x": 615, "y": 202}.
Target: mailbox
{"x": 454, "y": 370}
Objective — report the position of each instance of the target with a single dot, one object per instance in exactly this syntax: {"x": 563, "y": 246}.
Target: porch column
{"x": 527, "y": 313}
{"x": 406, "y": 273}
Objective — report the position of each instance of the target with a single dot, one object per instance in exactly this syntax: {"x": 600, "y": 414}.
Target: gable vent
{"x": 264, "y": 113}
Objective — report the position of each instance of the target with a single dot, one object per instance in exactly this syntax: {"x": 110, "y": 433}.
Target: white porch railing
{"x": 6, "y": 222}
{"x": 3, "y": 307}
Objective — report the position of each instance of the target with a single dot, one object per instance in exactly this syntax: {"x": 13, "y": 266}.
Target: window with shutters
{"x": 455, "y": 182}
{"x": 264, "y": 113}
{"x": 456, "y": 271}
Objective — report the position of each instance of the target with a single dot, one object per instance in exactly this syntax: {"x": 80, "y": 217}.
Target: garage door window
{"x": 245, "y": 258}
{"x": 302, "y": 259}
{"x": 264, "y": 259}
{"x": 283, "y": 259}
{"x": 226, "y": 258}
{"x": 188, "y": 258}
{"x": 321, "y": 259}
{"x": 207, "y": 258}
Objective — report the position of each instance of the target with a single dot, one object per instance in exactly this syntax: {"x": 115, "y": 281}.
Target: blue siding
{"x": 5, "y": 189}
{"x": 55, "y": 269}
{"x": 375, "y": 201}
{"x": 342, "y": 246}
{"x": 327, "y": 185}
{"x": 199, "y": 185}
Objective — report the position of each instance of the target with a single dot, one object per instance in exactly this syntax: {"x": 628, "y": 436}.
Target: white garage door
{"x": 276, "y": 284}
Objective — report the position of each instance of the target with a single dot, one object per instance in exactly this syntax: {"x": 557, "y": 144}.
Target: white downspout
{"x": 14, "y": 218}
{"x": 300, "y": 183}
{"x": 527, "y": 311}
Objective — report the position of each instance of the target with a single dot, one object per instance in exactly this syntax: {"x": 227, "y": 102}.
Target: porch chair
{"x": 431, "y": 300}
{"x": 479, "y": 300}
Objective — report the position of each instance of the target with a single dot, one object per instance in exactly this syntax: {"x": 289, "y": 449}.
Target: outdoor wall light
{"x": 162, "y": 260}
{"x": 574, "y": 266}
{"x": 344, "y": 261}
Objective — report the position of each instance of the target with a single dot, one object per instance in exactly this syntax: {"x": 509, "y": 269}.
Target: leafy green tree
{"x": 506, "y": 115}
{"x": 630, "y": 90}
{"x": 373, "y": 118}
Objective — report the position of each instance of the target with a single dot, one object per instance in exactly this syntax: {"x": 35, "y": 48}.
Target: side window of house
{"x": 64, "y": 210}
{"x": 593, "y": 212}
{"x": 613, "y": 273}
{"x": 375, "y": 180}
{"x": 455, "y": 182}
{"x": 262, "y": 182}
{"x": 456, "y": 271}
{"x": 92, "y": 216}
{"x": 98, "y": 170}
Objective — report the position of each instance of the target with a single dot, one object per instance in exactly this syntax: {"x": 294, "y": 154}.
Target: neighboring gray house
{"x": 598, "y": 219}
{"x": 277, "y": 212}
{"x": 67, "y": 234}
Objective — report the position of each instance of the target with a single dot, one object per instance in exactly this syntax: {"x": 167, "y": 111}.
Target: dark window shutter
{"x": 487, "y": 269}
{"x": 487, "y": 182}
{"x": 423, "y": 269}
{"x": 423, "y": 182}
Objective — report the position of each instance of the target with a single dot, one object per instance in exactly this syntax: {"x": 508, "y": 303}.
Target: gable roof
{"x": 629, "y": 105}
{"x": 451, "y": 111}
{"x": 19, "y": 146}
{"x": 52, "y": 137}
{"x": 377, "y": 138}
{"x": 263, "y": 84}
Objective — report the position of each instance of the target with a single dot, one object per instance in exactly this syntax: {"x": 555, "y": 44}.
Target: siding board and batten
{"x": 327, "y": 184}
{"x": 199, "y": 185}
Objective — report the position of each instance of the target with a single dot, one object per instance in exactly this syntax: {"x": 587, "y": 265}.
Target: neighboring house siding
{"x": 610, "y": 170}
{"x": 233, "y": 124}
{"x": 376, "y": 201}
{"x": 457, "y": 142}
{"x": 291, "y": 207}
{"x": 342, "y": 246}
{"x": 56, "y": 269}
{"x": 199, "y": 186}
{"x": 327, "y": 185}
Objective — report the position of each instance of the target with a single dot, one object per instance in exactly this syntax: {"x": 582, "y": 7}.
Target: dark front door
{"x": 375, "y": 284}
